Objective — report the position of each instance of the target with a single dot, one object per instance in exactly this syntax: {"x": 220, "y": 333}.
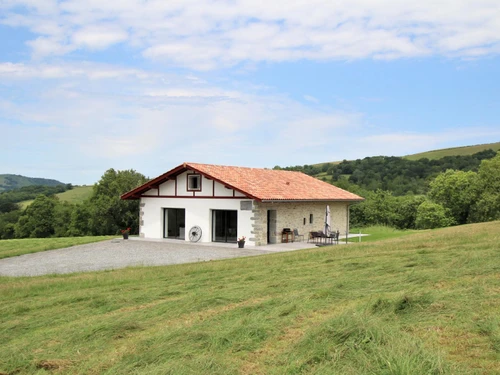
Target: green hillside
{"x": 454, "y": 151}
{"x": 76, "y": 195}
{"x": 12, "y": 181}
{"x": 437, "y": 154}
{"x": 426, "y": 303}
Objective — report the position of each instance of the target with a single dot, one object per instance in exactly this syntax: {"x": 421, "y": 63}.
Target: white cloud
{"x": 67, "y": 70}
{"x": 204, "y": 35}
{"x": 99, "y": 36}
{"x": 87, "y": 117}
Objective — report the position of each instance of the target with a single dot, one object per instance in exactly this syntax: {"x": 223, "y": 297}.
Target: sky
{"x": 88, "y": 85}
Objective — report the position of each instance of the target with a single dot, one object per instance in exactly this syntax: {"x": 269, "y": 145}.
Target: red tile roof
{"x": 258, "y": 183}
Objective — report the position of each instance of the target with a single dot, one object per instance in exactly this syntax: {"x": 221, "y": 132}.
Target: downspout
{"x": 347, "y": 222}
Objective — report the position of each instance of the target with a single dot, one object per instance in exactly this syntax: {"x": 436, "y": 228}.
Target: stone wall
{"x": 297, "y": 215}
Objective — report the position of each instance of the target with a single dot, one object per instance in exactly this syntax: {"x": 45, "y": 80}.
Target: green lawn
{"x": 425, "y": 303}
{"x": 379, "y": 232}
{"x": 12, "y": 248}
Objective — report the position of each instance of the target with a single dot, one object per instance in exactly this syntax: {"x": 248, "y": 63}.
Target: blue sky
{"x": 87, "y": 85}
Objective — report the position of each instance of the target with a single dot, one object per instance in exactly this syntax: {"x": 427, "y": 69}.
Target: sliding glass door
{"x": 174, "y": 223}
{"x": 224, "y": 226}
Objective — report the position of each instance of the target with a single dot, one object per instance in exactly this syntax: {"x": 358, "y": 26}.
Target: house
{"x": 216, "y": 203}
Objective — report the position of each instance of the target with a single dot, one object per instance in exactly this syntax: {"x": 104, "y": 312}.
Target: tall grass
{"x": 425, "y": 303}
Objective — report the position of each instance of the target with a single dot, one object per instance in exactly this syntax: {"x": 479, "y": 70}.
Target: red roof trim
{"x": 153, "y": 184}
{"x": 224, "y": 183}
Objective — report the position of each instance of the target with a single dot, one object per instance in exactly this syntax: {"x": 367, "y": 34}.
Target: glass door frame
{"x": 228, "y": 219}
{"x": 179, "y": 227}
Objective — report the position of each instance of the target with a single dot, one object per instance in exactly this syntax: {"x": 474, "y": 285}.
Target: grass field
{"x": 12, "y": 248}
{"x": 76, "y": 195}
{"x": 425, "y": 303}
{"x": 379, "y": 232}
{"x": 455, "y": 151}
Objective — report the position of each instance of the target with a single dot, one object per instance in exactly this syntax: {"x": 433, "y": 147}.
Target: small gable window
{"x": 194, "y": 182}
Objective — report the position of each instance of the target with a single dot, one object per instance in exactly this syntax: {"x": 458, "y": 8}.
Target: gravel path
{"x": 117, "y": 254}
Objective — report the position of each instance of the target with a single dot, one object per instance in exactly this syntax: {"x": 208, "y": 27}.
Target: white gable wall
{"x": 209, "y": 188}
{"x": 198, "y": 212}
{"x": 198, "y": 206}
{"x": 151, "y": 192}
{"x": 167, "y": 188}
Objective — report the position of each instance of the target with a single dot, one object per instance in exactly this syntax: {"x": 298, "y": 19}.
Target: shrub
{"x": 432, "y": 215}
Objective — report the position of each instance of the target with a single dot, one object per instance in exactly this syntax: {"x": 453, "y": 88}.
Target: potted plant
{"x": 125, "y": 233}
{"x": 241, "y": 242}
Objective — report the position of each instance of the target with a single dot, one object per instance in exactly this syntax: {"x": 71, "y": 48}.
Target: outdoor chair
{"x": 313, "y": 236}
{"x": 334, "y": 237}
{"x": 297, "y": 235}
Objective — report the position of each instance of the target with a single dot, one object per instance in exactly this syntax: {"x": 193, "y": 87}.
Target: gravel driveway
{"x": 118, "y": 254}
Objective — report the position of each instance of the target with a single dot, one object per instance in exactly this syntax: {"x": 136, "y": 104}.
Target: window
{"x": 304, "y": 221}
{"x": 194, "y": 182}
{"x": 310, "y": 218}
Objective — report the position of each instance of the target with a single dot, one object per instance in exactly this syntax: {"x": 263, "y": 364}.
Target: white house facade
{"x": 210, "y": 203}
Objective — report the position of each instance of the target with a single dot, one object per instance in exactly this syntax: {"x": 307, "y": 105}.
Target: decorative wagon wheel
{"x": 195, "y": 234}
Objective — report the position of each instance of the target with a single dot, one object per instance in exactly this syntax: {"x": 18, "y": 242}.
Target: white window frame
{"x": 193, "y": 177}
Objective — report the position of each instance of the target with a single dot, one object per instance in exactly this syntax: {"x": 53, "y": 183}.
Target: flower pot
{"x": 241, "y": 244}
{"x": 125, "y": 236}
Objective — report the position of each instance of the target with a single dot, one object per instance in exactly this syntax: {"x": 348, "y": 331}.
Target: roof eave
{"x": 312, "y": 200}
{"x": 248, "y": 195}
{"x": 153, "y": 184}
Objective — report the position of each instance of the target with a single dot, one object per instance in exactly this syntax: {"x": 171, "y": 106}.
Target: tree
{"x": 62, "y": 218}
{"x": 406, "y": 209}
{"x": 80, "y": 220}
{"x": 7, "y": 224}
{"x": 432, "y": 215}
{"x": 377, "y": 209}
{"x": 38, "y": 218}
{"x": 108, "y": 213}
{"x": 487, "y": 206}
{"x": 456, "y": 191}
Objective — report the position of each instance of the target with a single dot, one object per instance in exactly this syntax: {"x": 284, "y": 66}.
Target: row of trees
{"x": 398, "y": 175}
{"x": 102, "y": 213}
{"x": 9, "y": 199}
{"x": 454, "y": 197}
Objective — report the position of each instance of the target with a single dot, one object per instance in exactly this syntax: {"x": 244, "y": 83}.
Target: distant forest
{"x": 9, "y": 199}
{"x": 395, "y": 174}
{"x": 102, "y": 213}
{"x": 13, "y": 181}
{"x": 417, "y": 194}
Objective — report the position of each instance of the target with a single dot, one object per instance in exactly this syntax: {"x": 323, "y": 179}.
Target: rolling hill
{"x": 440, "y": 153}
{"x": 13, "y": 181}
{"x": 454, "y": 151}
